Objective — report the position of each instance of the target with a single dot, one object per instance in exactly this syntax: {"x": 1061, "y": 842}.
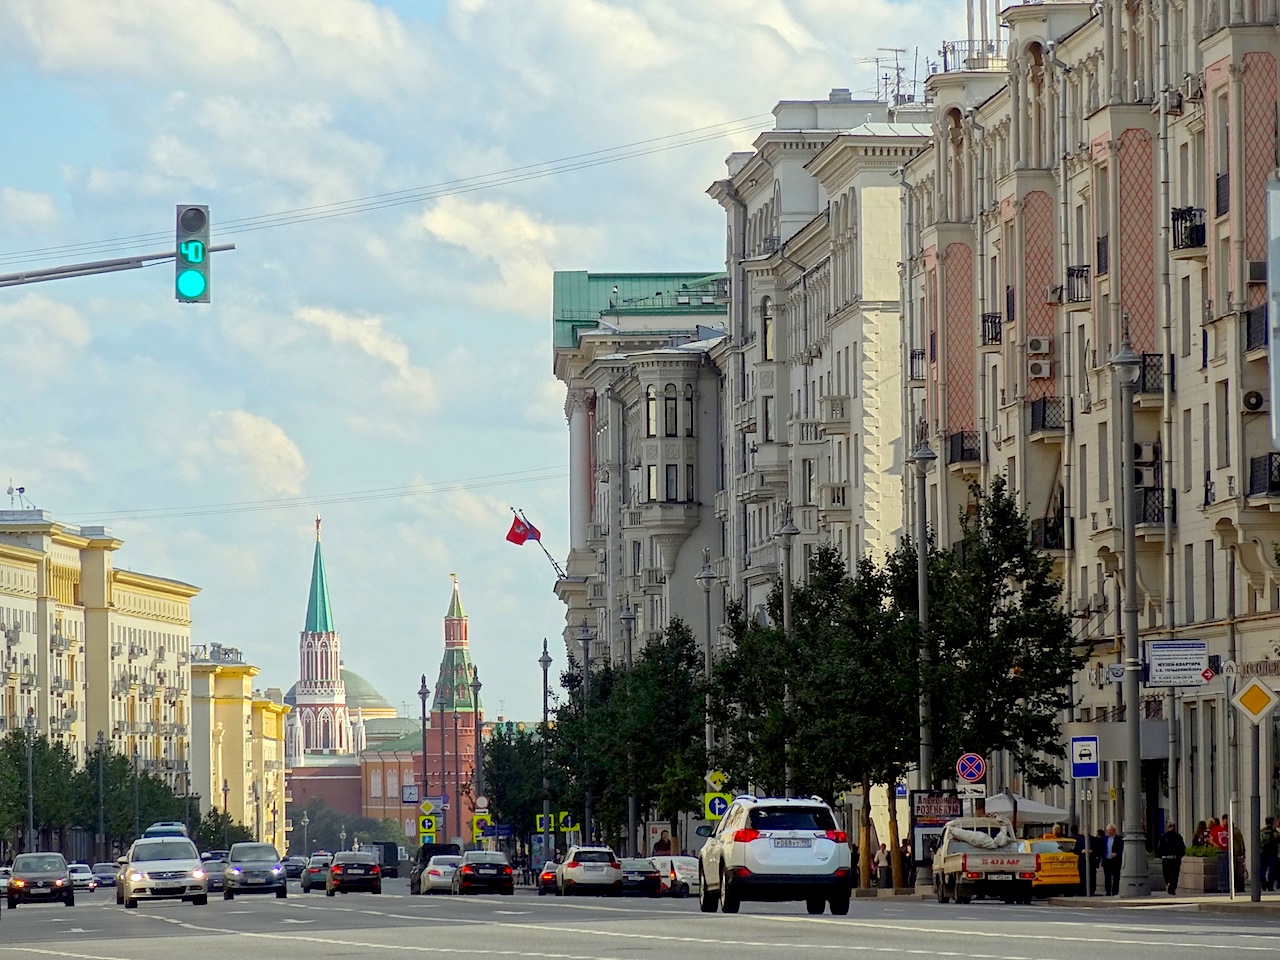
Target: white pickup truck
{"x": 979, "y": 856}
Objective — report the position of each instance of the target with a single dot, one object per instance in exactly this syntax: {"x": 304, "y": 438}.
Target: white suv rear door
{"x": 789, "y": 838}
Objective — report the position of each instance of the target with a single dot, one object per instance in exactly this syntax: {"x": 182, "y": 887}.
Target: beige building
{"x": 238, "y": 743}
{"x": 1040, "y": 229}
{"x": 90, "y": 651}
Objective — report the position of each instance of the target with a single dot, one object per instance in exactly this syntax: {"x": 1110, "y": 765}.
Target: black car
{"x": 353, "y": 870}
{"x": 481, "y": 870}
{"x": 40, "y": 878}
{"x": 293, "y": 867}
{"x": 547, "y": 878}
{"x": 213, "y": 872}
{"x": 253, "y": 868}
{"x": 316, "y": 872}
{"x": 640, "y": 877}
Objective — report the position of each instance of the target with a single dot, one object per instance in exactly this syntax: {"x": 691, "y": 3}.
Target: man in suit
{"x": 1112, "y": 855}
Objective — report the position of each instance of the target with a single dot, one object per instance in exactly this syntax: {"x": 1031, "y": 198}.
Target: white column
{"x": 575, "y": 410}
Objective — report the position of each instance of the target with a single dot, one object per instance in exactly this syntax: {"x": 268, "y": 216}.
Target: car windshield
{"x": 104, "y": 868}
{"x": 792, "y": 818}
{"x": 444, "y": 861}
{"x": 80, "y": 868}
{"x": 319, "y": 861}
{"x": 354, "y": 857}
{"x": 1048, "y": 846}
{"x": 254, "y": 851}
{"x": 38, "y": 862}
{"x": 633, "y": 864}
{"x": 483, "y": 856}
{"x": 593, "y": 856}
{"x": 164, "y": 850}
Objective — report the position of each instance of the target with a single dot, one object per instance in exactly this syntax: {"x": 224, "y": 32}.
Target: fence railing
{"x": 1188, "y": 227}
{"x": 1078, "y": 288}
{"x": 964, "y": 447}
{"x": 991, "y": 329}
{"x": 1048, "y": 413}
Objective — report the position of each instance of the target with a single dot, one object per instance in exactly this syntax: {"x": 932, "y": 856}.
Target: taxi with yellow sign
{"x": 1059, "y": 867}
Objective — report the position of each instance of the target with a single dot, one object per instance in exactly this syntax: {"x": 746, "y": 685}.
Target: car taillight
{"x": 973, "y": 876}
{"x": 572, "y": 864}
{"x": 433, "y": 873}
{"x": 651, "y": 876}
{"x": 1026, "y": 876}
{"x": 335, "y": 869}
{"x": 548, "y": 876}
{"x": 376, "y": 869}
{"x": 746, "y": 836}
{"x": 839, "y": 836}
{"x": 468, "y": 869}
{"x": 506, "y": 869}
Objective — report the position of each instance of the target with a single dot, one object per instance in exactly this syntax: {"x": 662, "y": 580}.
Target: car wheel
{"x": 70, "y": 900}
{"x": 328, "y": 892}
{"x": 282, "y": 893}
{"x": 130, "y": 903}
{"x": 940, "y": 889}
{"x": 815, "y": 905}
{"x": 119, "y": 897}
{"x": 228, "y": 895}
{"x": 378, "y": 889}
{"x": 200, "y": 900}
{"x": 840, "y": 904}
{"x": 728, "y": 901}
{"x": 706, "y": 899}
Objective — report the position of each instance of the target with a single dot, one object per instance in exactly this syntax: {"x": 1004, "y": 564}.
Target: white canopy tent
{"x": 1029, "y": 811}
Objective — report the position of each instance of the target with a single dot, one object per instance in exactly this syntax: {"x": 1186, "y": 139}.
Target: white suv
{"x": 589, "y": 870}
{"x": 775, "y": 849}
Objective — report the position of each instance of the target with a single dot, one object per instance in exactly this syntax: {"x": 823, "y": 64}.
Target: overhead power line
{"x": 413, "y": 195}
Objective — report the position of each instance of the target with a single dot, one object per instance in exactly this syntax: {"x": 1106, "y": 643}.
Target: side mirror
{"x": 704, "y": 830}
{"x": 121, "y": 861}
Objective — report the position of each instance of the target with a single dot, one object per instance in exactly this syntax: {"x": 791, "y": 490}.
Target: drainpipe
{"x": 738, "y": 312}
{"x": 906, "y": 324}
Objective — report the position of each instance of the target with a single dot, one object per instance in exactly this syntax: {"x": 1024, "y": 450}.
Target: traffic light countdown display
{"x": 191, "y": 279}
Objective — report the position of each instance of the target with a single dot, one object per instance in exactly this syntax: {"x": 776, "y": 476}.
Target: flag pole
{"x": 560, "y": 574}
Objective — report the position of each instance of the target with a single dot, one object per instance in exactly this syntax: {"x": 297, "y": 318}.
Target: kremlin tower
{"x": 319, "y": 722}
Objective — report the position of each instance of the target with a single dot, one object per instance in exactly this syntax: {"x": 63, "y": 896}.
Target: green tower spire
{"x": 319, "y": 613}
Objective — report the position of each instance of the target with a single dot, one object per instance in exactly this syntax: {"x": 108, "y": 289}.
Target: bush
{"x": 1205, "y": 851}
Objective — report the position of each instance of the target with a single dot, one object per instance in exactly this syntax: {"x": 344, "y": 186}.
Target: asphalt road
{"x": 397, "y": 925}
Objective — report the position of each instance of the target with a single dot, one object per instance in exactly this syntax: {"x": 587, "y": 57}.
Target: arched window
{"x": 688, "y": 410}
{"x": 375, "y": 784}
{"x": 670, "y": 412}
{"x": 393, "y": 784}
{"x": 767, "y": 351}
{"x": 651, "y": 412}
{"x": 326, "y": 730}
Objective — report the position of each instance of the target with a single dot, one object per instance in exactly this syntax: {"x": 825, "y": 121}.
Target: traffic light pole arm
{"x": 69, "y": 270}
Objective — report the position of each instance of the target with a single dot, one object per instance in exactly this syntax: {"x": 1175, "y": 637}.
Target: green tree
{"x": 513, "y": 778}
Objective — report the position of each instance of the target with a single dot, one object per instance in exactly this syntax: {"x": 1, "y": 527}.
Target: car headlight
{"x": 197, "y": 874}
{"x": 275, "y": 869}
{"x": 137, "y": 875}
{"x": 60, "y": 881}
{"x": 17, "y": 882}
{"x": 235, "y": 870}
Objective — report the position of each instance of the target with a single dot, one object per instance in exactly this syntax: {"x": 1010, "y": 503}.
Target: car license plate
{"x": 254, "y": 880}
{"x": 792, "y": 842}
{"x": 595, "y": 869}
{"x": 999, "y": 876}
{"x": 39, "y": 891}
{"x": 358, "y": 870}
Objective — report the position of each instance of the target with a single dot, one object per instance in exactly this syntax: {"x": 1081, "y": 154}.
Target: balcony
{"x": 64, "y": 684}
{"x": 933, "y": 346}
{"x": 1047, "y": 534}
{"x": 1222, "y": 194}
{"x": 964, "y": 447}
{"x": 1264, "y": 475}
{"x": 597, "y": 592}
{"x": 970, "y": 56}
{"x": 917, "y": 366}
{"x": 809, "y": 431}
{"x": 652, "y": 578}
{"x": 772, "y": 460}
{"x": 1048, "y": 415}
{"x": 597, "y": 532}
{"x": 1188, "y": 232}
{"x": 992, "y": 334}
{"x": 744, "y": 416}
{"x": 1101, "y": 262}
{"x": 30, "y": 680}
{"x": 59, "y": 644}
{"x": 833, "y": 501}
{"x": 1148, "y": 506}
{"x": 1078, "y": 288}
{"x": 721, "y": 507}
{"x": 763, "y": 560}
{"x": 833, "y": 413}
{"x": 1150, "y": 375}
{"x": 1257, "y": 329}
{"x": 117, "y": 649}
{"x": 149, "y": 690}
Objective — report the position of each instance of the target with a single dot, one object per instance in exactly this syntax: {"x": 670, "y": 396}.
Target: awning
{"x": 1029, "y": 811}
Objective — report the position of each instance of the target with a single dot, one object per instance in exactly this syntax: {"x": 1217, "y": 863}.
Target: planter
{"x": 1200, "y": 874}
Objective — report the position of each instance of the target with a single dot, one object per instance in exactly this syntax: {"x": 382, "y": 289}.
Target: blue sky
{"x": 405, "y": 350}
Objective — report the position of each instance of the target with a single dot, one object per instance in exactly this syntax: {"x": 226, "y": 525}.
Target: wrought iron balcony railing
{"x": 1078, "y": 288}
{"x": 1264, "y": 475}
{"x": 1222, "y": 194}
{"x": 1257, "y": 331}
{"x": 964, "y": 447}
{"x": 1048, "y": 533}
{"x": 991, "y": 329}
{"x": 1151, "y": 374}
{"x": 1188, "y": 227}
{"x": 917, "y": 364}
{"x": 1048, "y": 413}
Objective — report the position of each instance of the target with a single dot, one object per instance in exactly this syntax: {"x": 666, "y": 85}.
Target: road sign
{"x": 1084, "y": 758}
{"x": 971, "y": 767}
{"x": 482, "y": 803}
{"x": 479, "y": 823}
{"x": 542, "y": 826}
{"x": 410, "y": 793}
{"x": 426, "y": 824}
{"x": 1255, "y": 700}
{"x": 426, "y": 838}
{"x": 1176, "y": 663}
{"x": 715, "y": 804}
{"x": 971, "y": 791}
{"x": 1115, "y": 673}
{"x": 565, "y": 821}
{"x": 1208, "y": 674}
{"x": 900, "y": 792}
{"x": 716, "y": 780}
{"x": 428, "y": 806}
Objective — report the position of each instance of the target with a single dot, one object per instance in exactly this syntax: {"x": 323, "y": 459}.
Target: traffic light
{"x": 191, "y": 278}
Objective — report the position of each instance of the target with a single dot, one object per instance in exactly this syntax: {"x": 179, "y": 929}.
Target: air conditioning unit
{"x": 1053, "y": 293}
{"x": 1144, "y": 453}
{"x": 1192, "y": 88}
{"x": 1254, "y": 401}
{"x": 1144, "y": 476}
{"x": 1175, "y": 101}
{"x": 1039, "y": 346}
{"x": 1039, "y": 369}
{"x": 1085, "y": 403}
{"x": 1257, "y": 271}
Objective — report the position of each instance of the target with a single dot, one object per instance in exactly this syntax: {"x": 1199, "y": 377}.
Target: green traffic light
{"x": 191, "y": 284}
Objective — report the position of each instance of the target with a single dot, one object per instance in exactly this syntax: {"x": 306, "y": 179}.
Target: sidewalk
{"x": 1207, "y": 902}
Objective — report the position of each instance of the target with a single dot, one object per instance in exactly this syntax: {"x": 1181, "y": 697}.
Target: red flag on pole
{"x": 522, "y": 531}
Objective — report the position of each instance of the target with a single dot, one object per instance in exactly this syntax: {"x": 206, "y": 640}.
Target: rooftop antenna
{"x": 915, "y": 76}
{"x": 18, "y": 494}
{"x": 897, "y": 75}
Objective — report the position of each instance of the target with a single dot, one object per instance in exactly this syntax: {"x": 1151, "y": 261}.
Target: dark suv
{"x": 253, "y": 868}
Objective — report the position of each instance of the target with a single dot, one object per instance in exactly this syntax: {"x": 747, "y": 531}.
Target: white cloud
{"x": 24, "y": 210}
{"x": 257, "y": 448}
{"x": 41, "y": 336}
{"x": 368, "y": 335}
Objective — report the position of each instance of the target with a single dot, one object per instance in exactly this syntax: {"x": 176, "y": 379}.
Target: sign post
{"x": 971, "y": 772}
{"x": 1255, "y": 700}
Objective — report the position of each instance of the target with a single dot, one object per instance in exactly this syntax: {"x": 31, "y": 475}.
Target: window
{"x": 1210, "y": 588}
{"x": 635, "y": 558}
{"x": 770, "y": 415}
{"x": 1189, "y": 582}
{"x": 375, "y": 783}
{"x": 807, "y": 473}
{"x": 688, "y": 410}
{"x": 1223, "y": 432}
{"x": 688, "y": 483}
{"x": 673, "y": 483}
{"x": 651, "y": 412}
{"x": 767, "y": 329}
{"x": 651, "y": 488}
{"x": 1104, "y": 461}
{"x": 670, "y": 409}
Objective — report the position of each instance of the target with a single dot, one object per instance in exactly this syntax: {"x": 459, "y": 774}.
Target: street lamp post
{"x": 444, "y": 817}
{"x": 1134, "y": 881}
{"x": 628, "y": 619}
{"x": 584, "y": 637}
{"x": 137, "y": 789}
{"x": 706, "y": 578}
{"x": 787, "y": 534}
{"x": 226, "y": 814}
{"x": 544, "y": 661}
{"x": 31, "y": 783}
{"x": 457, "y": 775}
{"x": 102, "y": 799}
{"x": 306, "y": 822}
{"x": 342, "y": 837}
{"x": 922, "y": 458}
{"x": 423, "y": 693}
{"x": 478, "y": 778}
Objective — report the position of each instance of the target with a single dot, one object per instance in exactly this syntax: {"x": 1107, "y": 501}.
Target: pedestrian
{"x": 1096, "y": 848}
{"x": 1201, "y": 837}
{"x": 1112, "y": 856}
{"x": 1080, "y": 848}
{"x": 1171, "y": 848}
{"x": 908, "y": 864}
{"x": 1269, "y": 844}
{"x": 884, "y": 873}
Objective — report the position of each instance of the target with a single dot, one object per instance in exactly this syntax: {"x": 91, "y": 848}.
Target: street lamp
{"x": 584, "y": 637}
{"x": 423, "y": 693}
{"x": 306, "y": 822}
{"x": 544, "y": 661}
{"x": 31, "y": 785}
{"x": 342, "y": 837}
{"x": 444, "y": 794}
{"x": 478, "y": 779}
{"x": 226, "y": 814}
{"x": 457, "y": 775}
{"x": 628, "y": 619}
{"x": 922, "y": 458}
{"x": 787, "y": 534}
{"x": 137, "y": 788}
{"x": 1134, "y": 881}
{"x": 102, "y": 799}
{"x": 706, "y": 578}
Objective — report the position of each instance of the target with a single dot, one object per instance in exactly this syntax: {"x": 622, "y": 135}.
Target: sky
{"x": 389, "y": 368}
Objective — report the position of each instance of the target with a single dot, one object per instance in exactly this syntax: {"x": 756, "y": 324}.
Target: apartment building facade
{"x": 89, "y": 650}
{"x": 1100, "y": 171}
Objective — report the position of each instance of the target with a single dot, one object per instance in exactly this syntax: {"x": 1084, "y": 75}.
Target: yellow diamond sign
{"x": 1255, "y": 700}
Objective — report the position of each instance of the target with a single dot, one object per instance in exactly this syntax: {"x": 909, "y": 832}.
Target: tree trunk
{"x": 895, "y": 848}
{"x": 865, "y": 853}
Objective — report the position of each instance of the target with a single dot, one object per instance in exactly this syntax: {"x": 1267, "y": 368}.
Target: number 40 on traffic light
{"x": 191, "y": 278}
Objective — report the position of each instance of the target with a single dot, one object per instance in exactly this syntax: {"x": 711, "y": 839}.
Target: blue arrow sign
{"x": 718, "y": 806}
